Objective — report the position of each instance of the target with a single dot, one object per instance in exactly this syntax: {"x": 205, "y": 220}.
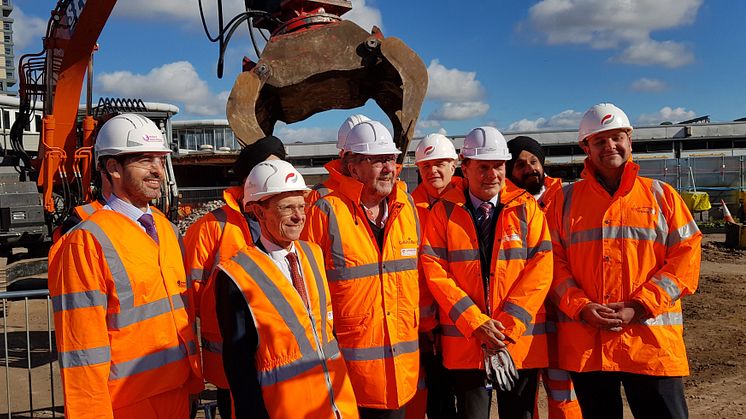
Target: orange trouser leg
{"x": 562, "y": 402}
{"x": 172, "y": 404}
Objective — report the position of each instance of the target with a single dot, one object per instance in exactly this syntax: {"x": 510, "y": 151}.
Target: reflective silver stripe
{"x": 85, "y": 357}
{"x": 544, "y": 245}
{"x": 305, "y": 363}
{"x": 210, "y": 346}
{"x": 335, "y": 238}
{"x": 277, "y": 299}
{"x": 83, "y": 299}
{"x": 379, "y": 352}
{"x": 460, "y": 307}
{"x": 564, "y": 318}
{"x": 449, "y": 207}
{"x": 438, "y": 252}
{"x": 319, "y": 285}
{"x": 551, "y": 326}
{"x": 321, "y": 189}
{"x": 566, "y": 207}
{"x": 559, "y": 291}
{"x": 114, "y": 262}
{"x": 89, "y": 208}
{"x": 523, "y": 220}
{"x": 555, "y": 374}
{"x": 371, "y": 269}
{"x": 682, "y": 233}
{"x": 147, "y": 362}
{"x": 535, "y": 329}
{"x": 463, "y": 255}
{"x": 197, "y": 274}
{"x": 180, "y": 240}
{"x": 665, "y": 319}
{"x": 130, "y": 316}
{"x": 516, "y": 253}
{"x": 518, "y": 312}
{"x": 614, "y": 232}
{"x": 563, "y": 395}
{"x": 669, "y": 286}
{"x": 428, "y": 311}
{"x": 451, "y": 330}
{"x": 662, "y": 226}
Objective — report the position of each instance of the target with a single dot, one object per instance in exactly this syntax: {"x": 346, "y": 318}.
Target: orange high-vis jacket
{"x": 298, "y": 363}
{"x": 218, "y": 235}
{"x": 323, "y": 189}
{"x": 520, "y": 276}
{"x": 375, "y": 293}
{"x": 121, "y": 313}
{"x": 428, "y": 305}
{"x": 640, "y": 244}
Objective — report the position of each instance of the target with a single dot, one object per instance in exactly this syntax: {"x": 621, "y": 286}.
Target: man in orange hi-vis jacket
{"x": 274, "y": 313}
{"x": 487, "y": 257}
{"x": 220, "y": 234}
{"x": 369, "y": 231}
{"x": 626, "y": 250}
{"x": 125, "y": 333}
{"x": 526, "y": 170}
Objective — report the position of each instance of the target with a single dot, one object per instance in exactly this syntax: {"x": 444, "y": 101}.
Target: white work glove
{"x": 500, "y": 369}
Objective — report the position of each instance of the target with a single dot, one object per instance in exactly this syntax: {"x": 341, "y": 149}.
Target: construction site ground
{"x": 715, "y": 334}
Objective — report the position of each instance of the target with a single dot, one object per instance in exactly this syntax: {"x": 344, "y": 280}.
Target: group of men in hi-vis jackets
{"x": 357, "y": 299}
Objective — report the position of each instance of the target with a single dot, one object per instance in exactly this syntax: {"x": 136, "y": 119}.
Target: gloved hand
{"x": 500, "y": 369}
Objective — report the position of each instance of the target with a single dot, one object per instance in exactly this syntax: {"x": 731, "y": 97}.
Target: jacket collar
{"x": 233, "y": 197}
{"x": 629, "y": 174}
{"x": 509, "y": 194}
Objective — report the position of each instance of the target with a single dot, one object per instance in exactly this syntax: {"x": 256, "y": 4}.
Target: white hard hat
{"x": 600, "y": 118}
{"x": 433, "y": 147}
{"x": 346, "y": 127}
{"x": 371, "y": 138}
{"x": 271, "y": 177}
{"x": 129, "y": 133}
{"x": 485, "y": 143}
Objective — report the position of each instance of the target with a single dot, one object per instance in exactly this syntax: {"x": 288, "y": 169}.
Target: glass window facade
{"x": 192, "y": 138}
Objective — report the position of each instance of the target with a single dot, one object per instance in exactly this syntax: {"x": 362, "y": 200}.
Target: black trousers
{"x": 441, "y": 400}
{"x": 648, "y": 396}
{"x": 473, "y": 399}
{"x": 368, "y": 413}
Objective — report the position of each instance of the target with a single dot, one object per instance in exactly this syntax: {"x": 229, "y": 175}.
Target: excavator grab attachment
{"x": 335, "y": 65}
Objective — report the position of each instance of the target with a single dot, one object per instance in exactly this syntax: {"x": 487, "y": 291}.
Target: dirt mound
{"x": 714, "y": 251}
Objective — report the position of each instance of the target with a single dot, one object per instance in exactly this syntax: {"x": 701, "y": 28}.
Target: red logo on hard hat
{"x": 609, "y": 118}
{"x": 429, "y": 150}
{"x": 291, "y": 178}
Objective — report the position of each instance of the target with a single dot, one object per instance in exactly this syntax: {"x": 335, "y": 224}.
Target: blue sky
{"x": 517, "y": 65}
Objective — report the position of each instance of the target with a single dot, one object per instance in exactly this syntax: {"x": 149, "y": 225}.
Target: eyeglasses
{"x": 379, "y": 161}
{"x": 146, "y": 162}
{"x": 288, "y": 210}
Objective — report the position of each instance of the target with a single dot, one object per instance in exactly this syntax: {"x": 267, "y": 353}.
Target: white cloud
{"x": 175, "y": 82}
{"x": 27, "y": 30}
{"x": 365, "y": 16}
{"x": 309, "y": 134}
{"x": 619, "y": 24}
{"x": 649, "y": 85}
{"x": 451, "y": 111}
{"x": 567, "y": 119}
{"x": 668, "y": 54}
{"x": 666, "y": 114}
{"x": 453, "y": 85}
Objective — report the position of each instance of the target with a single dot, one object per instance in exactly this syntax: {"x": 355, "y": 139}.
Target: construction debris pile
{"x": 196, "y": 213}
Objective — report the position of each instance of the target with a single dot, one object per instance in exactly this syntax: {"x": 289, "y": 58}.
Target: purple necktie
{"x": 483, "y": 221}
{"x": 148, "y": 222}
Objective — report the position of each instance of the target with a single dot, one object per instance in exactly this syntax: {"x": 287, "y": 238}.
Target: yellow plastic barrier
{"x": 697, "y": 201}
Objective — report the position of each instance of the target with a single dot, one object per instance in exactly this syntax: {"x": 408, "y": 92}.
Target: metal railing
{"x": 29, "y": 356}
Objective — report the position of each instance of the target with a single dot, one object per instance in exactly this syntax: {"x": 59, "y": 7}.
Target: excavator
{"x": 313, "y": 61}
